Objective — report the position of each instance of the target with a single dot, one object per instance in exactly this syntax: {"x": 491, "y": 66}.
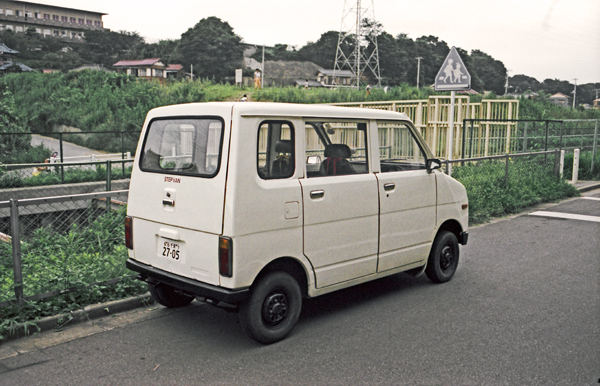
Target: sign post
{"x": 452, "y": 76}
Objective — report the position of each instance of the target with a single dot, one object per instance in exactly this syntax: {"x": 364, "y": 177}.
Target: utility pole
{"x": 418, "y": 69}
{"x": 262, "y": 67}
{"x": 506, "y": 84}
{"x": 575, "y": 92}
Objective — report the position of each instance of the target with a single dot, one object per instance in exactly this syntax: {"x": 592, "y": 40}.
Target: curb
{"x": 589, "y": 187}
{"x": 88, "y": 313}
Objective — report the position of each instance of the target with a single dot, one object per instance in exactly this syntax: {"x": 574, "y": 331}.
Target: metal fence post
{"x": 62, "y": 168}
{"x": 525, "y": 137}
{"x": 16, "y": 252}
{"x": 575, "y": 166}
{"x": 123, "y": 151}
{"x": 595, "y": 146}
{"x": 561, "y": 167}
{"x": 506, "y": 172}
{"x": 108, "y": 175}
{"x": 108, "y": 183}
{"x": 547, "y": 133}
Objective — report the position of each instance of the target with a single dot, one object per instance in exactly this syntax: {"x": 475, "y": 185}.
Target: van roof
{"x": 248, "y": 109}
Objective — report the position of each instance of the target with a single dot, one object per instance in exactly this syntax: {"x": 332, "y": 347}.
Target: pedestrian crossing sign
{"x": 453, "y": 75}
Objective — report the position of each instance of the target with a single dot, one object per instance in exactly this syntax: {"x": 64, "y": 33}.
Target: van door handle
{"x": 317, "y": 194}
{"x": 168, "y": 202}
{"x": 388, "y": 187}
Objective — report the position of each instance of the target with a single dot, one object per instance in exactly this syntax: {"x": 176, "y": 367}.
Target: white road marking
{"x": 567, "y": 216}
{"x": 591, "y": 198}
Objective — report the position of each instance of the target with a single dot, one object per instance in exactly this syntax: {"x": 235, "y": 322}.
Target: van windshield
{"x": 190, "y": 146}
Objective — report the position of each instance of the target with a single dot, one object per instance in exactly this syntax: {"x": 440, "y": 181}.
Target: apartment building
{"x": 48, "y": 20}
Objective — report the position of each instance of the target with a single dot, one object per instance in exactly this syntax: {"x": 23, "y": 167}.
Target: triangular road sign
{"x": 453, "y": 75}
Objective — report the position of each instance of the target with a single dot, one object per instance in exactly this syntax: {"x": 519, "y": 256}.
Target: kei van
{"x": 259, "y": 205}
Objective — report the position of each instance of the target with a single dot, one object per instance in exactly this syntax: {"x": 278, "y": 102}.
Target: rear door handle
{"x": 388, "y": 187}
{"x": 317, "y": 194}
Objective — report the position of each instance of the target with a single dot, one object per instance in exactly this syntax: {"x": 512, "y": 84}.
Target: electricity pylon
{"x": 357, "y": 44}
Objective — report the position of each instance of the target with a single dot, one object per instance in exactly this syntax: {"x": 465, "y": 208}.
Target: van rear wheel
{"x": 443, "y": 258}
{"x": 271, "y": 311}
{"x": 165, "y": 294}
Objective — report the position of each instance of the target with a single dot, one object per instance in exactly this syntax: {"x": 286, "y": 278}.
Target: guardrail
{"x": 59, "y": 168}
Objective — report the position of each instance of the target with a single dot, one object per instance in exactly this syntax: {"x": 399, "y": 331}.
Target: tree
{"x": 212, "y": 47}
{"x": 108, "y": 47}
{"x": 522, "y": 83}
{"x": 490, "y": 71}
{"x": 322, "y": 52}
{"x": 433, "y": 51}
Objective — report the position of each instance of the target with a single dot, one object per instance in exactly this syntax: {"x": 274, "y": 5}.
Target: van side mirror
{"x": 433, "y": 164}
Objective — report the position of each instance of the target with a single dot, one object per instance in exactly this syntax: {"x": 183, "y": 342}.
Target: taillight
{"x": 129, "y": 232}
{"x": 225, "y": 256}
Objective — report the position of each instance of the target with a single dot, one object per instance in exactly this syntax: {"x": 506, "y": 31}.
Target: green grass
{"x": 530, "y": 182}
{"x": 53, "y": 260}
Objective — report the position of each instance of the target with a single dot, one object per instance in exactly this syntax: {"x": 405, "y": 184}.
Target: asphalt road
{"x": 522, "y": 309}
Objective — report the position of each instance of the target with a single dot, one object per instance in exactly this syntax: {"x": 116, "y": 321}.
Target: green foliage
{"x": 530, "y": 182}
{"x": 99, "y": 101}
{"x": 212, "y": 47}
{"x": 71, "y": 176}
{"x": 77, "y": 258}
{"x": 585, "y": 166}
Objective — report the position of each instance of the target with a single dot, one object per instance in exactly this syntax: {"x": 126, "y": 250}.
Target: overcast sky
{"x": 540, "y": 38}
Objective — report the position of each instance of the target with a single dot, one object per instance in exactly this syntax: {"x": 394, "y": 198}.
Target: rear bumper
{"x": 463, "y": 238}
{"x": 154, "y": 276}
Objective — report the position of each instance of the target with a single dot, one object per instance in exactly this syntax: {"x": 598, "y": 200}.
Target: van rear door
{"x": 177, "y": 195}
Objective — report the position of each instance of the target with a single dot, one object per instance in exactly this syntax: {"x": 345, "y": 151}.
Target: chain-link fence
{"x": 59, "y": 245}
{"x": 489, "y": 137}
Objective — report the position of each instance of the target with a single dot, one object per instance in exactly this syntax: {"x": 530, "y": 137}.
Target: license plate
{"x": 171, "y": 250}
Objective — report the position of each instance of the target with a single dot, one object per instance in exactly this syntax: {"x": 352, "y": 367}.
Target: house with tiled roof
{"x": 560, "y": 99}
{"x": 6, "y": 60}
{"x": 174, "y": 71}
{"x": 151, "y": 68}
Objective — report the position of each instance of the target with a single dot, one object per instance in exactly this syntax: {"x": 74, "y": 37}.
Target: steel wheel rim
{"x": 446, "y": 257}
{"x": 275, "y": 309}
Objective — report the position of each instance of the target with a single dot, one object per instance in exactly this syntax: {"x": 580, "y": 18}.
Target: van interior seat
{"x": 283, "y": 164}
{"x": 336, "y": 162}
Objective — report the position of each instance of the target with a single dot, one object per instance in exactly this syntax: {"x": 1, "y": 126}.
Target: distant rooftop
{"x": 5, "y": 50}
{"x": 144, "y": 62}
{"x": 58, "y": 6}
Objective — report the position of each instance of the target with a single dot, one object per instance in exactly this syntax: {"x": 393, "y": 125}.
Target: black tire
{"x": 443, "y": 258}
{"x": 272, "y": 308}
{"x": 166, "y": 295}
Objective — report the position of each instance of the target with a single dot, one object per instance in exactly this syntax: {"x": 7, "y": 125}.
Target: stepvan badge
{"x": 173, "y": 179}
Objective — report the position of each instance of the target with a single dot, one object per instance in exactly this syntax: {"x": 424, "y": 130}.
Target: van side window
{"x": 398, "y": 149}
{"x": 335, "y": 148}
{"x": 275, "y": 158}
{"x": 183, "y": 146}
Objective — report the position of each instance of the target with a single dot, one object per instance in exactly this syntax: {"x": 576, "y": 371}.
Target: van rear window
{"x": 190, "y": 146}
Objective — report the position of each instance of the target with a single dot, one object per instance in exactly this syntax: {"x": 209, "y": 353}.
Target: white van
{"x": 259, "y": 205}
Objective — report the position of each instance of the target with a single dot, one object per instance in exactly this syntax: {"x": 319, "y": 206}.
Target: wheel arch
{"x": 290, "y": 266}
{"x": 451, "y": 226}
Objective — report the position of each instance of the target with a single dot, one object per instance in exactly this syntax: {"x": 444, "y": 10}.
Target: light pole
{"x": 418, "y": 70}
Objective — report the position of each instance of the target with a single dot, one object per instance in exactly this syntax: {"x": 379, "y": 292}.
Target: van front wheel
{"x": 165, "y": 294}
{"x": 443, "y": 258}
{"x": 272, "y": 309}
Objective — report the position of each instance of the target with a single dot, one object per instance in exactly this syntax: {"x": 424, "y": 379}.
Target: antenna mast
{"x": 357, "y": 44}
